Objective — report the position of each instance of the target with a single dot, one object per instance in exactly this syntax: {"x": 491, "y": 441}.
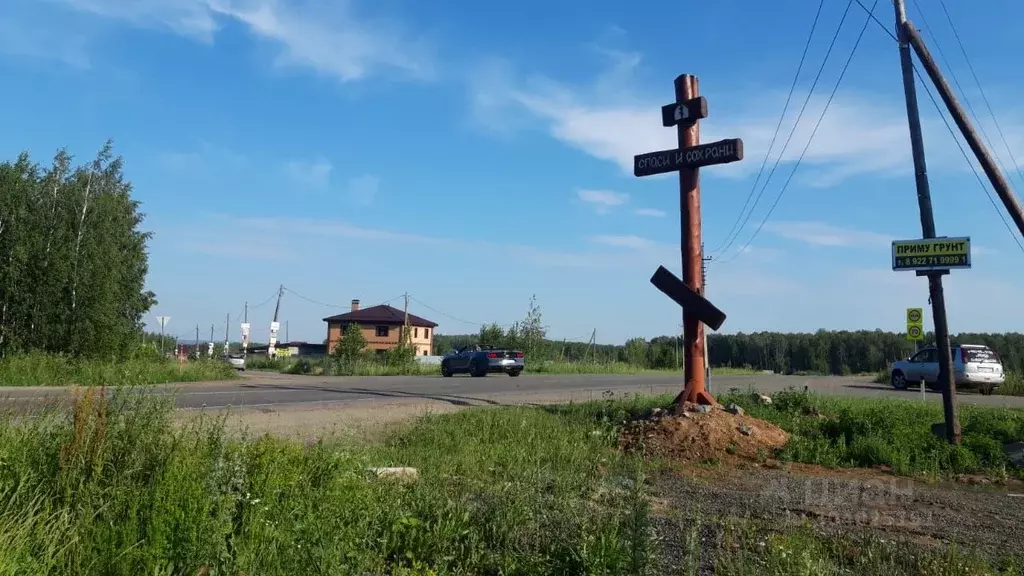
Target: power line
{"x": 817, "y": 124}
{"x": 319, "y": 303}
{"x": 871, "y": 15}
{"x": 450, "y": 317}
{"x": 265, "y": 302}
{"x": 926, "y": 83}
{"x": 778, "y": 126}
{"x": 956, "y": 82}
{"x": 974, "y": 168}
{"x": 729, "y": 242}
{"x": 984, "y": 97}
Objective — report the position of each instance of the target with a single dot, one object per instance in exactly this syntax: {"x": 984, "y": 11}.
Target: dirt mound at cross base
{"x": 695, "y": 436}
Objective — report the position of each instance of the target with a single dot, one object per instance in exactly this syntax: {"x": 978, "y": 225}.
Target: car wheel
{"x": 899, "y": 381}
{"x": 514, "y": 373}
{"x": 445, "y": 370}
{"x": 475, "y": 371}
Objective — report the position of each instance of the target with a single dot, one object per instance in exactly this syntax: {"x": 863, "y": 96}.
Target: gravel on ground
{"x": 983, "y": 517}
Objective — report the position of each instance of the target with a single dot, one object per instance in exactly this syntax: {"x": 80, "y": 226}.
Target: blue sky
{"x": 472, "y": 154}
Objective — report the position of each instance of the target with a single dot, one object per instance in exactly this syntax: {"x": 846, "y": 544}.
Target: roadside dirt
{"x": 696, "y": 436}
{"x": 985, "y": 518}
{"x": 366, "y": 422}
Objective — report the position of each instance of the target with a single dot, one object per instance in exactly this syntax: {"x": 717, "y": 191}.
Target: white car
{"x": 237, "y": 361}
{"x": 974, "y": 366}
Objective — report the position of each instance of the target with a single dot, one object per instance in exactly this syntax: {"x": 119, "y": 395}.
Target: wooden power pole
{"x": 946, "y": 377}
{"x": 689, "y": 107}
{"x": 406, "y": 336}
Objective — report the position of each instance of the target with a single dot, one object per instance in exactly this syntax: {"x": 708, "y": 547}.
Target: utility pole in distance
{"x": 924, "y": 201}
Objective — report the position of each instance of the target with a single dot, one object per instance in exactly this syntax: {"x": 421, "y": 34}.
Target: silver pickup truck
{"x": 478, "y": 361}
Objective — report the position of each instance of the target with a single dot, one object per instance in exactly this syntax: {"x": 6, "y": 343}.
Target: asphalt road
{"x": 279, "y": 391}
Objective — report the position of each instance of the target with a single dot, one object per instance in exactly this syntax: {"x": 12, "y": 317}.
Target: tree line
{"x": 73, "y": 259}
{"x": 823, "y": 352}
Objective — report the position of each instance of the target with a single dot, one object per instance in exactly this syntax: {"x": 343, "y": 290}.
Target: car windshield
{"x": 981, "y": 355}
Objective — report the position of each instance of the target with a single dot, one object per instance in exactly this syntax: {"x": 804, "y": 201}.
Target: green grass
{"x": 331, "y": 367}
{"x": 750, "y": 550}
{"x": 859, "y": 432}
{"x": 120, "y": 490}
{"x": 1013, "y": 386}
{"x": 56, "y": 370}
{"x": 865, "y": 432}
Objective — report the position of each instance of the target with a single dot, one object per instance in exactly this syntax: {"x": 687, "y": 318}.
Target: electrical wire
{"x": 817, "y": 124}
{"x": 450, "y": 317}
{"x": 778, "y": 126}
{"x": 871, "y": 15}
{"x": 977, "y": 175}
{"x": 956, "y": 82}
{"x": 265, "y": 302}
{"x": 981, "y": 90}
{"x": 789, "y": 138}
{"x": 926, "y": 83}
{"x": 319, "y": 303}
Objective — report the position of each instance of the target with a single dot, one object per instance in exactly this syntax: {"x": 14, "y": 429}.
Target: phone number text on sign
{"x": 931, "y": 254}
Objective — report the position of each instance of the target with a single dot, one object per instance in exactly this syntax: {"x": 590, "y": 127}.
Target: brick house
{"x": 382, "y": 328}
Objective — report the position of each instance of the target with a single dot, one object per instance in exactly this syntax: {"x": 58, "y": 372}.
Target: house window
{"x": 381, "y": 352}
{"x": 426, "y": 332}
{"x": 415, "y": 332}
{"x": 424, "y": 351}
{"x": 382, "y": 331}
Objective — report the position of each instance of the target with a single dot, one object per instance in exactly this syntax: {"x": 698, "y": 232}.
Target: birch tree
{"x": 73, "y": 259}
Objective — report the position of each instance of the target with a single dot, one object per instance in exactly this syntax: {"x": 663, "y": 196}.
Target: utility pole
{"x": 163, "y": 320}
{"x": 703, "y": 286}
{"x": 274, "y": 324}
{"x": 197, "y": 342}
{"x": 287, "y": 337}
{"x": 406, "y": 337}
{"x": 924, "y": 201}
{"x": 593, "y": 338}
{"x": 211, "y": 341}
{"x": 688, "y": 135}
{"x": 245, "y": 330}
{"x": 227, "y": 333}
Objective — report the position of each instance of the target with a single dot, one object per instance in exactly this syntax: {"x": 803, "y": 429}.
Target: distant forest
{"x": 823, "y": 352}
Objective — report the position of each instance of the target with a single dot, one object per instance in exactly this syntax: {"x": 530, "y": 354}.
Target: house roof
{"x": 382, "y": 314}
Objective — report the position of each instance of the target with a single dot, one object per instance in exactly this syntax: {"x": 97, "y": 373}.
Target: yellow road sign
{"x": 915, "y": 333}
{"x": 931, "y": 254}
{"x": 915, "y": 316}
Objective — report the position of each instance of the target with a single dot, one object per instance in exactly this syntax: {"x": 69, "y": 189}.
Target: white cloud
{"x": 314, "y": 173}
{"x": 824, "y": 234}
{"x": 612, "y": 120}
{"x": 27, "y": 35}
{"x": 327, "y": 37}
{"x": 623, "y": 241}
{"x": 649, "y": 212}
{"x": 207, "y": 159}
{"x": 297, "y": 235}
{"x": 602, "y": 200}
